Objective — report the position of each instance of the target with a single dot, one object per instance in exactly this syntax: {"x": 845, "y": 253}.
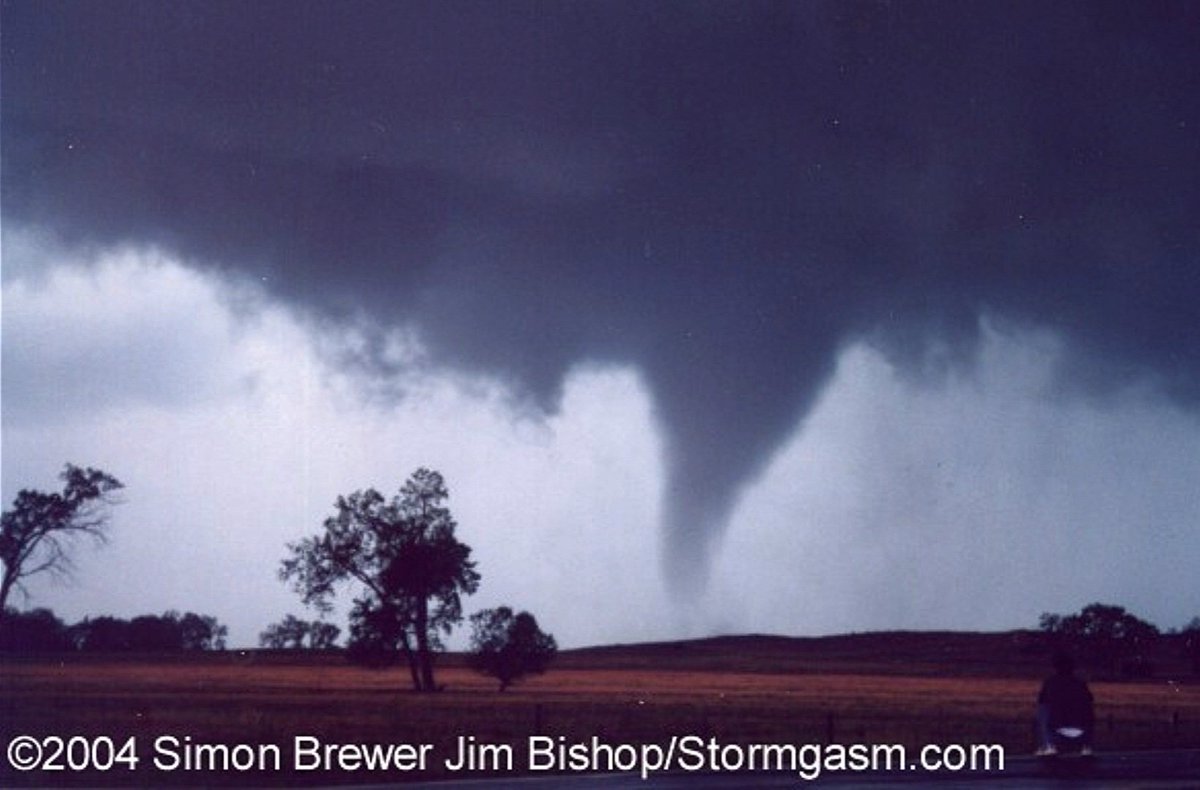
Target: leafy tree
{"x": 508, "y": 647}
{"x": 37, "y": 534}
{"x": 103, "y": 634}
{"x": 323, "y": 636}
{"x": 1050, "y": 623}
{"x": 166, "y": 633}
{"x": 36, "y": 631}
{"x": 1107, "y": 634}
{"x": 292, "y": 633}
{"x": 1191, "y": 643}
{"x": 40, "y": 631}
{"x": 403, "y": 557}
{"x": 201, "y": 632}
{"x": 289, "y": 634}
{"x": 154, "y": 634}
{"x": 379, "y": 637}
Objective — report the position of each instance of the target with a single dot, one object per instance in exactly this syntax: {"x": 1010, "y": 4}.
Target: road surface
{"x": 1161, "y": 769}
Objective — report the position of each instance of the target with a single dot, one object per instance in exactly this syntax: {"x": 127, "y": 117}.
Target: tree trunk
{"x": 423, "y": 656}
{"x": 6, "y": 585}
{"x": 412, "y": 661}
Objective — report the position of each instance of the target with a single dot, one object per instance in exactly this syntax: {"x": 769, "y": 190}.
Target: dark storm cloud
{"x": 721, "y": 194}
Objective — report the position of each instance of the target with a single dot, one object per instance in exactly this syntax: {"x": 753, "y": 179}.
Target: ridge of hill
{"x": 1018, "y": 653}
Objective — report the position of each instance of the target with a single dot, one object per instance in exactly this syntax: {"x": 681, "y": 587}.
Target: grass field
{"x": 744, "y": 691}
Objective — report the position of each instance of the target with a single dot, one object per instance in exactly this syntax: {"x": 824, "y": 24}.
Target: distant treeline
{"x": 1107, "y": 637}
{"x": 40, "y": 631}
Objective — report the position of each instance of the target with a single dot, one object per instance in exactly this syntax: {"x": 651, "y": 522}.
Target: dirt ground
{"x": 252, "y": 700}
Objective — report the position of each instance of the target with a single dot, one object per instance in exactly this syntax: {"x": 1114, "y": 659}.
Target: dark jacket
{"x": 1069, "y": 701}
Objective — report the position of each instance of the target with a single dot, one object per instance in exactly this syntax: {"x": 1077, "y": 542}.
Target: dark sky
{"x": 724, "y": 196}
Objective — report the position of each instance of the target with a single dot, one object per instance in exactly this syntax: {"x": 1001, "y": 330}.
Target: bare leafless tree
{"x": 38, "y": 534}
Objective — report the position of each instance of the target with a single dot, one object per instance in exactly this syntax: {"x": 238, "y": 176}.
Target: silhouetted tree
{"x": 1108, "y": 635}
{"x": 403, "y": 555}
{"x": 165, "y": 633}
{"x": 153, "y": 634}
{"x": 37, "y": 534}
{"x": 292, "y": 633}
{"x": 508, "y": 647}
{"x": 201, "y": 632}
{"x": 103, "y": 634}
{"x": 379, "y": 637}
{"x": 36, "y": 631}
{"x": 1191, "y": 643}
{"x": 1050, "y": 623}
{"x": 323, "y": 636}
{"x": 288, "y": 634}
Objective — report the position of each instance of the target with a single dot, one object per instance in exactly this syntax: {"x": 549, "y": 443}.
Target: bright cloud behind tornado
{"x": 975, "y": 500}
{"x": 981, "y": 500}
{"x": 228, "y": 457}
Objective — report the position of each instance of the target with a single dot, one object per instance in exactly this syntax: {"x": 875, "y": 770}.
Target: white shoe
{"x": 1085, "y": 751}
{"x": 1046, "y": 751}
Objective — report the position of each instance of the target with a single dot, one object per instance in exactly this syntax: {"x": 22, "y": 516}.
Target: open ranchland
{"x": 743, "y": 690}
